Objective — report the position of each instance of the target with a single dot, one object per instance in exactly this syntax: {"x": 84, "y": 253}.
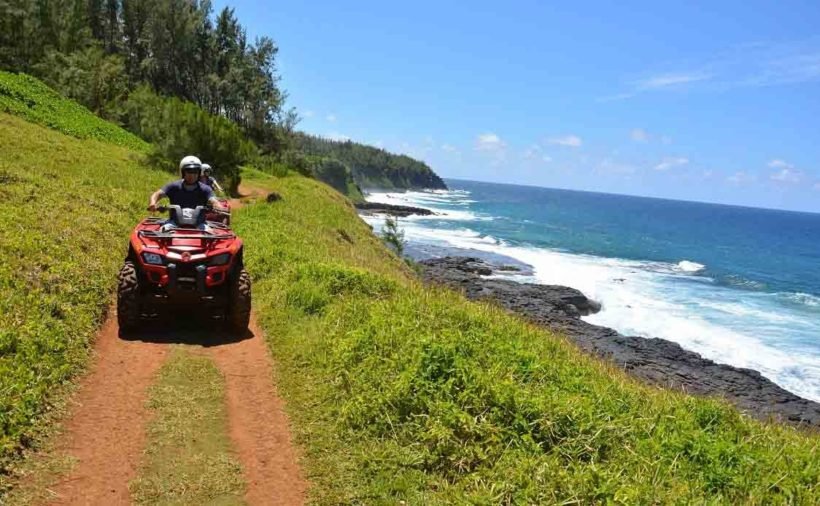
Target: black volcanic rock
{"x": 464, "y": 273}
{"x": 400, "y": 211}
{"x": 657, "y": 361}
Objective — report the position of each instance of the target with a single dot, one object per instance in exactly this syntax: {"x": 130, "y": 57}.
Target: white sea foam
{"x": 648, "y": 299}
{"x": 687, "y": 266}
{"x": 436, "y": 201}
{"x": 805, "y": 299}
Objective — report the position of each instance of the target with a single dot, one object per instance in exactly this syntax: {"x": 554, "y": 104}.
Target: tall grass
{"x": 399, "y": 392}
{"x": 28, "y": 97}
{"x": 66, "y": 209}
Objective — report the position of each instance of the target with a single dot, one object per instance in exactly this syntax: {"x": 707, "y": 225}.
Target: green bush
{"x": 178, "y": 128}
{"x": 271, "y": 165}
{"x": 393, "y": 236}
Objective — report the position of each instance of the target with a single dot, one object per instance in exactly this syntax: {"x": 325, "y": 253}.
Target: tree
{"x": 92, "y": 78}
{"x": 178, "y": 128}
{"x": 393, "y": 235}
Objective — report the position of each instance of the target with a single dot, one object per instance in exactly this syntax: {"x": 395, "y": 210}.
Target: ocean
{"x": 738, "y": 285}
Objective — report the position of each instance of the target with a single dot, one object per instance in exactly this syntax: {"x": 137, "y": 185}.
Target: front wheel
{"x": 128, "y": 289}
{"x": 239, "y": 305}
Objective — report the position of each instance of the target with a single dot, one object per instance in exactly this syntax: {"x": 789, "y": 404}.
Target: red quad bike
{"x": 223, "y": 217}
{"x": 184, "y": 261}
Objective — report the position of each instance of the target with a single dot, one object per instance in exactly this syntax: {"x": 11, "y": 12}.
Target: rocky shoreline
{"x": 657, "y": 361}
{"x": 394, "y": 210}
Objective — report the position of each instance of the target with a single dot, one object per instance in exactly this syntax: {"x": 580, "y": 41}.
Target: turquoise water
{"x": 737, "y": 285}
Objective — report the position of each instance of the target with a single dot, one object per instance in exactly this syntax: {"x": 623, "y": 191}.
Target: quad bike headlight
{"x": 152, "y": 258}
{"x": 222, "y": 259}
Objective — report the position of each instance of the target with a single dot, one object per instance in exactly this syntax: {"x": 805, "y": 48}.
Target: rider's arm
{"x": 216, "y": 186}
{"x": 152, "y": 202}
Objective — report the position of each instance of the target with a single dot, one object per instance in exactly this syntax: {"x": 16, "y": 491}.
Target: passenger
{"x": 187, "y": 192}
{"x": 206, "y": 178}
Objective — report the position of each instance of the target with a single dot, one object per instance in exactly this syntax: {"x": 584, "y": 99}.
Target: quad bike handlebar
{"x": 209, "y": 208}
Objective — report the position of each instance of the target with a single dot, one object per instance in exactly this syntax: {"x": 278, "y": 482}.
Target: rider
{"x": 187, "y": 192}
{"x": 206, "y": 178}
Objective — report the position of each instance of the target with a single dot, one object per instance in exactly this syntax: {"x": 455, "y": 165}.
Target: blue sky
{"x": 709, "y": 101}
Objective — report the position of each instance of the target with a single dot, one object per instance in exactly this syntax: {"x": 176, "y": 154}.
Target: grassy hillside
{"x": 396, "y": 392}
{"x": 26, "y": 96}
{"x": 66, "y": 209}
{"x": 404, "y": 393}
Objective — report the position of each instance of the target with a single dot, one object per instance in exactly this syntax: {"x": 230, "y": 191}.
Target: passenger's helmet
{"x": 188, "y": 164}
{"x": 206, "y": 169}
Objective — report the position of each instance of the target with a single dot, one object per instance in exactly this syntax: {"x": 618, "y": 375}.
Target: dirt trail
{"x": 247, "y": 193}
{"x": 105, "y": 430}
{"x": 259, "y": 427}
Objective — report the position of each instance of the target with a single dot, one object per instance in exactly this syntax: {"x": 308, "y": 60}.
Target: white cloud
{"x": 611, "y": 166}
{"x": 531, "y": 152}
{"x": 739, "y": 66}
{"x": 780, "y": 164}
{"x": 785, "y": 172}
{"x": 665, "y": 139}
{"x": 639, "y": 135}
{"x": 535, "y": 153}
{"x": 448, "y": 148}
{"x": 489, "y": 142}
{"x": 817, "y": 186}
{"x": 670, "y": 162}
{"x": 308, "y": 114}
{"x": 671, "y": 80}
{"x": 786, "y": 176}
{"x": 707, "y": 174}
{"x": 739, "y": 178}
{"x": 331, "y": 118}
{"x": 572, "y": 141}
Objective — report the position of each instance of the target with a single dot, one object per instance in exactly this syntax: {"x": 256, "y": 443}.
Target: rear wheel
{"x": 128, "y": 290}
{"x": 239, "y": 305}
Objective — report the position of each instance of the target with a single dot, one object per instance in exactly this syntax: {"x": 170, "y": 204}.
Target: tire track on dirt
{"x": 105, "y": 430}
{"x": 258, "y": 425}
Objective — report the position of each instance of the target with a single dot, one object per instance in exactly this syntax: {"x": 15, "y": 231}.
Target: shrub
{"x": 178, "y": 128}
{"x": 393, "y": 235}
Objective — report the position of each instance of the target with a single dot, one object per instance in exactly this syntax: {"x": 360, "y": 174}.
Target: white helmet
{"x": 206, "y": 169}
{"x": 189, "y": 162}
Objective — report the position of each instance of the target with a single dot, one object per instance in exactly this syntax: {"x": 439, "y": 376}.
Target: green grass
{"x": 398, "y": 392}
{"x": 25, "y": 96}
{"x": 188, "y": 457}
{"x": 67, "y": 207}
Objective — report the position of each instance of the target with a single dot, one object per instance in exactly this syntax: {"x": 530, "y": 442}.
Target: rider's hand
{"x": 152, "y": 208}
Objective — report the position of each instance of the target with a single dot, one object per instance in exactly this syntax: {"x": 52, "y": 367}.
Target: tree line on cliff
{"x": 175, "y": 72}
